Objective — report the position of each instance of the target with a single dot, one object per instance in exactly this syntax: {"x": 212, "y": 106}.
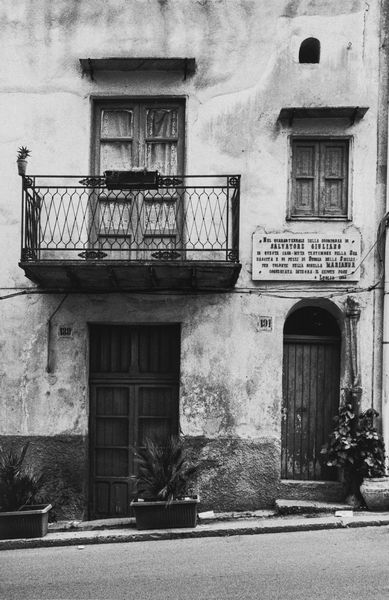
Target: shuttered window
{"x": 143, "y": 134}
{"x": 319, "y": 178}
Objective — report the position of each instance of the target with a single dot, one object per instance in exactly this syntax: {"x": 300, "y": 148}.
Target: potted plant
{"x": 22, "y": 155}
{"x": 137, "y": 178}
{"x": 164, "y": 498}
{"x": 20, "y": 488}
{"x": 371, "y": 455}
{"x": 357, "y": 449}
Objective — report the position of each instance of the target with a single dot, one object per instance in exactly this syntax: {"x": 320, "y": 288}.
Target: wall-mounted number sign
{"x": 64, "y": 331}
{"x": 265, "y": 323}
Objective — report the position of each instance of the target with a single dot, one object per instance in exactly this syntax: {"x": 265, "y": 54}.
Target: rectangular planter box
{"x": 27, "y": 522}
{"x": 160, "y": 515}
{"x": 127, "y": 180}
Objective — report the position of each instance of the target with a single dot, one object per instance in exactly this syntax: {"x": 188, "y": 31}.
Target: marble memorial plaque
{"x": 306, "y": 257}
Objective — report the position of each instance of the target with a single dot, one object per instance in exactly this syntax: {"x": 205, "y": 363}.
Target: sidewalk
{"x": 225, "y": 524}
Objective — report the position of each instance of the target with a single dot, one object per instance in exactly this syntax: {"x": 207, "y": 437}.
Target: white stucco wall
{"x": 247, "y": 70}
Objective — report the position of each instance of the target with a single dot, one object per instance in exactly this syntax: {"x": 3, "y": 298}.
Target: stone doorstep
{"x": 308, "y": 507}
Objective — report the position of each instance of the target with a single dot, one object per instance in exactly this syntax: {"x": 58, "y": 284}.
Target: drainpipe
{"x": 385, "y": 344}
{"x": 353, "y": 313}
{"x": 49, "y": 363}
{"x": 383, "y": 92}
{"x": 385, "y": 351}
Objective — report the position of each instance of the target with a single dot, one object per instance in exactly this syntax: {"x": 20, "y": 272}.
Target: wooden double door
{"x": 311, "y": 387}
{"x": 134, "y": 389}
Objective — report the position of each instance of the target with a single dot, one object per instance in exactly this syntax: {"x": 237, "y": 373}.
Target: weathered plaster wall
{"x": 247, "y": 70}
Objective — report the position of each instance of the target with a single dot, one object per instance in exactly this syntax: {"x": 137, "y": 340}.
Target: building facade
{"x": 203, "y": 252}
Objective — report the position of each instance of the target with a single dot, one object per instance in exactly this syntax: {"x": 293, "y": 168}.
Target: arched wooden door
{"x": 311, "y": 372}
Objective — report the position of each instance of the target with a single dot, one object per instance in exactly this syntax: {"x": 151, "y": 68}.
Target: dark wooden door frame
{"x": 142, "y": 390}
{"x": 303, "y": 441}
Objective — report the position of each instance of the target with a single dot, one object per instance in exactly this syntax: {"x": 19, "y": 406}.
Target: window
{"x": 139, "y": 134}
{"x": 143, "y": 134}
{"x": 319, "y": 178}
{"x": 309, "y": 51}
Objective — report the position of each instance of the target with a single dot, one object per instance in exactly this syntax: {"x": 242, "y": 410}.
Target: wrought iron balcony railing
{"x": 79, "y": 218}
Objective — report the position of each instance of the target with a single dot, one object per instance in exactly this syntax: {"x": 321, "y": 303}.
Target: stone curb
{"x": 105, "y": 537}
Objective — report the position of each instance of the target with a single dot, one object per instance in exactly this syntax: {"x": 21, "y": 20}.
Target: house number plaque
{"x": 306, "y": 257}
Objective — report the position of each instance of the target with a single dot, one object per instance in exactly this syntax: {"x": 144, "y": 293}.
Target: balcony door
{"x": 142, "y": 134}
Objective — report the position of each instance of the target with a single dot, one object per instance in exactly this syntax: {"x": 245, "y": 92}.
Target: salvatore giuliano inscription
{"x": 306, "y": 257}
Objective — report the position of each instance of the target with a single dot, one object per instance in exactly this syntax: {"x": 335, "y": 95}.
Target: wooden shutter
{"x": 305, "y": 167}
{"x": 319, "y": 178}
{"x": 310, "y": 401}
{"x": 333, "y": 178}
{"x": 112, "y": 440}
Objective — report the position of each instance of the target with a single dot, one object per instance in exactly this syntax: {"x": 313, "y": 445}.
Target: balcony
{"x": 95, "y": 234}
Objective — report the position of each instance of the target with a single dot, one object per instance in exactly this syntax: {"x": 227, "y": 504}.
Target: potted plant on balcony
{"x": 22, "y": 155}
{"x": 20, "y": 488}
{"x": 357, "y": 450}
{"x": 138, "y": 178}
{"x": 164, "y": 496}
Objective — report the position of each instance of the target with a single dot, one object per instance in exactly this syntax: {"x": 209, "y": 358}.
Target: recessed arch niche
{"x": 309, "y": 51}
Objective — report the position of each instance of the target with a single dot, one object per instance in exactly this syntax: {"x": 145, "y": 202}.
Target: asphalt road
{"x": 330, "y": 565}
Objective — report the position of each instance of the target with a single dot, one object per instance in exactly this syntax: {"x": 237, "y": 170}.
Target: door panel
{"x": 133, "y": 395}
{"x": 310, "y": 401}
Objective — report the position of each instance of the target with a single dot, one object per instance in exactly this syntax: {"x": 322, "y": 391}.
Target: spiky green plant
{"x": 23, "y": 153}
{"x": 164, "y": 471}
{"x": 19, "y": 484}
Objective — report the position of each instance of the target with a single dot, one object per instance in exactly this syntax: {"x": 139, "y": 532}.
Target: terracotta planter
{"x": 160, "y": 515}
{"x": 27, "y": 522}
{"x": 22, "y": 166}
{"x": 375, "y": 493}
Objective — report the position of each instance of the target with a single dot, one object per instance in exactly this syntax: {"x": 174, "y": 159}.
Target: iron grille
{"x": 80, "y": 218}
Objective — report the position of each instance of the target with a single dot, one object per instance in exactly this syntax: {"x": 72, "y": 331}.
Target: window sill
{"x": 325, "y": 218}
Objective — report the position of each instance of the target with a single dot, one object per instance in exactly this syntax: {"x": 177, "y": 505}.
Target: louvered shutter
{"x": 333, "y": 178}
{"x": 304, "y": 178}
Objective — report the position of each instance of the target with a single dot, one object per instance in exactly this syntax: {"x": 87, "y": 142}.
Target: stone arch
{"x": 324, "y": 303}
{"x": 311, "y": 387}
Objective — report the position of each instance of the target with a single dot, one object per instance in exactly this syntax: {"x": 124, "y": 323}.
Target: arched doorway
{"x": 311, "y": 372}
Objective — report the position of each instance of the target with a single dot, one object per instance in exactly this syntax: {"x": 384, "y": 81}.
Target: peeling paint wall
{"x": 247, "y": 69}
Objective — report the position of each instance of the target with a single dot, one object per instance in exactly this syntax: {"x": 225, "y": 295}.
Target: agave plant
{"x": 164, "y": 471}
{"x": 19, "y": 484}
{"x": 23, "y": 153}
